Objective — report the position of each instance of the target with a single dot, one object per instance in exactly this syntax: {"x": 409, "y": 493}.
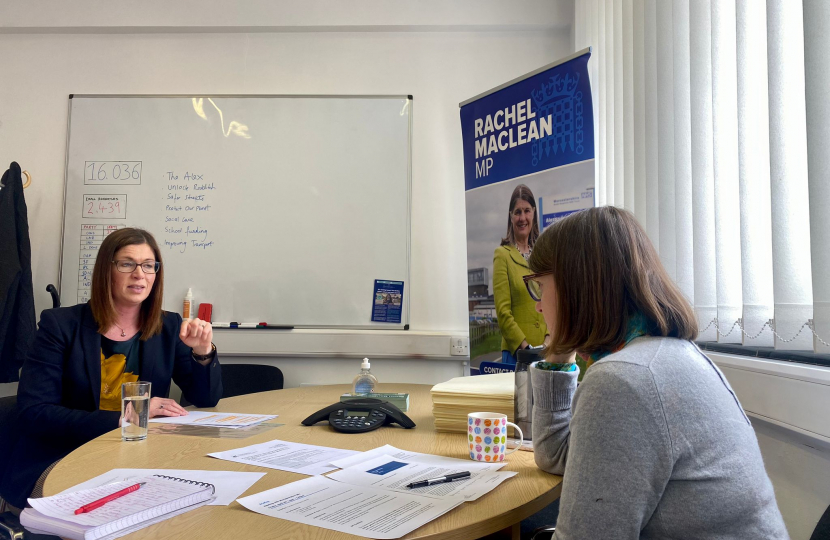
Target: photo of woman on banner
{"x": 520, "y": 324}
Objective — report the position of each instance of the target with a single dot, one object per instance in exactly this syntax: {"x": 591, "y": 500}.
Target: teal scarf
{"x": 637, "y": 326}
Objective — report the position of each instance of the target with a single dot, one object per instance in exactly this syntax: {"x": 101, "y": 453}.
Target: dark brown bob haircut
{"x": 101, "y": 302}
{"x": 605, "y": 270}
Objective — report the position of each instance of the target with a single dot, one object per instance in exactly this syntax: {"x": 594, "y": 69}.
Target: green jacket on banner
{"x": 515, "y": 309}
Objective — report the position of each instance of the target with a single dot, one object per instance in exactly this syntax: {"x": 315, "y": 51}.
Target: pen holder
{"x": 487, "y": 436}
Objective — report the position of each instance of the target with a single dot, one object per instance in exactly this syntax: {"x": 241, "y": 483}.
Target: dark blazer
{"x": 17, "y": 301}
{"x": 60, "y": 388}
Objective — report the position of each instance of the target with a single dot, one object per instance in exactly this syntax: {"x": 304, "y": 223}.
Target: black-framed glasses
{"x": 533, "y": 286}
{"x": 128, "y": 267}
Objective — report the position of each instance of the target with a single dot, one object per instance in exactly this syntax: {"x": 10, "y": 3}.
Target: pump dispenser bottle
{"x": 186, "y": 306}
{"x": 365, "y": 382}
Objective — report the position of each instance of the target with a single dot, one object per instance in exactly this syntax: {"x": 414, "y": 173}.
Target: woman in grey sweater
{"x": 654, "y": 443}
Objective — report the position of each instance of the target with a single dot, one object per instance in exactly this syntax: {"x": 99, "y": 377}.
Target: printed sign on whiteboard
{"x": 388, "y": 299}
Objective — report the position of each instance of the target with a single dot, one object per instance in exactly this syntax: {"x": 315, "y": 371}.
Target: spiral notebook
{"x": 161, "y": 497}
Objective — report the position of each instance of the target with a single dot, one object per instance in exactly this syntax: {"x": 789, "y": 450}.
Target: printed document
{"x": 215, "y": 419}
{"x": 229, "y": 484}
{"x": 394, "y": 474}
{"x": 389, "y": 450}
{"x": 358, "y": 510}
{"x": 287, "y": 456}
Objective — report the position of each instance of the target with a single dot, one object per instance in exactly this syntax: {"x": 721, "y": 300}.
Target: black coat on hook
{"x": 17, "y": 304}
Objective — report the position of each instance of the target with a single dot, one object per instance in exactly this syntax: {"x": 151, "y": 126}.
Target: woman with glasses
{"x": 70, "y": 384}
{"x": 520, "y": 325}
{"x": 653, "y": 443}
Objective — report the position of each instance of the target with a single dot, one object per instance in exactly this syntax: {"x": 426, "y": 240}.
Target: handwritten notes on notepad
{"x": 160, "y": 497}
{"x": 229, "y": 484}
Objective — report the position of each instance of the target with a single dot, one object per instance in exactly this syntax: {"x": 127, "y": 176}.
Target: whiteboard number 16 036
{"x": 112, "y": 172}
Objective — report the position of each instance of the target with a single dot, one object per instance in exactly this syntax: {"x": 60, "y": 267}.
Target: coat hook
{"x": 28, "y": 179}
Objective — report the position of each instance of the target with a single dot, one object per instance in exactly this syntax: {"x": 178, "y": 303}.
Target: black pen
{"x": 439, "y": 480}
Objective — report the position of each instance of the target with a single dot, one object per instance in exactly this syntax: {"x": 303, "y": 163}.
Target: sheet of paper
{"x": 201, "y": 418}
{"x": 358, "y": 510}
{"x": 394, "y": 474}
{"x": 155, "y": 492}
{"x": 229, "y": 484}
{"x": 389, "y": 450}
{"x": 287, "y": 456}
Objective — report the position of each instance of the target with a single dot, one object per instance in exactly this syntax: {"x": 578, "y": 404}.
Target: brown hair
{"x": 606, "y": 270}
{"x": 521, "y": 192}
{"x": 103, "y": 307}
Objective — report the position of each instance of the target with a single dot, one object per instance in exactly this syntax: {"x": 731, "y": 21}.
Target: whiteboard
{"x": 277, "y": 209}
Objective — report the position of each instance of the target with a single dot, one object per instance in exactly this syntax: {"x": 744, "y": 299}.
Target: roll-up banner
{"x": 528, "y": 162}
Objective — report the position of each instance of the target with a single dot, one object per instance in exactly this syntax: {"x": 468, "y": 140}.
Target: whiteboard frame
{"x": 404, "y": 324}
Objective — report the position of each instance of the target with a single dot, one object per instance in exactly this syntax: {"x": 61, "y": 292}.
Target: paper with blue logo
{"x": 528, "y": 147}
{"x": 389, "y": 473}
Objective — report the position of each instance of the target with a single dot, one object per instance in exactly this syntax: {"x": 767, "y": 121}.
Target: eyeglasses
{"x": 128, "y": 267}
{"x": 533, "y": 286}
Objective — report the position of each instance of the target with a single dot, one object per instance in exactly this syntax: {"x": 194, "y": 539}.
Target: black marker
{"x": 272, "y": 327}
{"x": 439, "y": 480}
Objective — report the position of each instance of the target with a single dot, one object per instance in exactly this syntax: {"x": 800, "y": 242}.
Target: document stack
{"x": 453, "y": 400}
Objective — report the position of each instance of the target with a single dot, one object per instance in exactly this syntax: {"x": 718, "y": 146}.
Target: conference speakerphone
{"x": 360, "y": 416}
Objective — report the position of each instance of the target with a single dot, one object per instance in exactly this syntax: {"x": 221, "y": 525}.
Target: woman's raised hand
{"x": 198, "y": 335}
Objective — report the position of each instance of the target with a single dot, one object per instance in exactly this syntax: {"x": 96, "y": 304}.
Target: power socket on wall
{"x": 459, "y": 346}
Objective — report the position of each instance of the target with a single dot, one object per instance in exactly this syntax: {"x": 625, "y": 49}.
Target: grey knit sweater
{"x": 653, "y": 444}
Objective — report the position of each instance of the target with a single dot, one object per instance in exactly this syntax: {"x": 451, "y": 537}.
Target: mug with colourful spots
{"x": 487, "y": 436}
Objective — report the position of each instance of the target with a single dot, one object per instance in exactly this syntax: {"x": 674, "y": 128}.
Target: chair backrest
{"x": 241, "y": 379}
{"x": 7, "y": 410}
{"x": 822, "y": 531}
{"x": 8, "y": 424}
{"x": 56, "y": 298}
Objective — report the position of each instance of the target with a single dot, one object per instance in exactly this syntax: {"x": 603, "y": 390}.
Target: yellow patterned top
{"x": 116, "y": 370}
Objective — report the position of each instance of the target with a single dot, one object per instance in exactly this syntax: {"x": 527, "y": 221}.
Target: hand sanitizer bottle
{"x": 365, "y": 382}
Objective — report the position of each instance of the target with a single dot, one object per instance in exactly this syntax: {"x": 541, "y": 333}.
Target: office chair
{"x": 542, "y": 533}
{"x": 822, "y": 530}
{"x": 541, "y": 525}
{"x": 56, "y": 298}
{"x": 10, "y": 527}
{"x": 241, "y": 379}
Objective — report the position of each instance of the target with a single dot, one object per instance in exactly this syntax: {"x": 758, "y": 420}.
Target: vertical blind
{"x": 713, "y": 128}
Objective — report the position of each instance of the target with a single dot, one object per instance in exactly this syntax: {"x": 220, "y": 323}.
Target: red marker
{"x": 101, "y": 502}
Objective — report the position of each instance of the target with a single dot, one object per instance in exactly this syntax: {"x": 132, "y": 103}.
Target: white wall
{"x": 440, "y": 52}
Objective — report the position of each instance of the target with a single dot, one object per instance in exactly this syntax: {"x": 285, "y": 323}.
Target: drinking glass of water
{"x": 135, "y": 410}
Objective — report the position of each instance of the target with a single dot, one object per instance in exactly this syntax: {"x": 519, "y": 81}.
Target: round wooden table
{"x": 498, "y": 511}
